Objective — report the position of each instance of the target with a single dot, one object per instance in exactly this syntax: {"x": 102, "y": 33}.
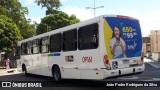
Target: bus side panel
{"x": 44, "y": 65}
{"x": 19, "y": 65}
{"x": 89, "y": 64}
{"x": 102, "y": 48}
{"x": 68, "y": 64}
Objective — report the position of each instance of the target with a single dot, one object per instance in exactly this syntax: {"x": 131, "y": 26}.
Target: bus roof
{"x": 120, "y": 16}
{"x": 73, "y": 26}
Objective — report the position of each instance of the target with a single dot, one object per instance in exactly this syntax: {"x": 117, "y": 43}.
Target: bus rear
{"x": 122, "y": 46}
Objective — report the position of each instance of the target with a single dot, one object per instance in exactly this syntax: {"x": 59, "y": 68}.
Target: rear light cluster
{"x": 106, "y": 59}
{"x": 106, "y": 62}
{"x": 125, "y": 17}
{"x": 142, "y": 57}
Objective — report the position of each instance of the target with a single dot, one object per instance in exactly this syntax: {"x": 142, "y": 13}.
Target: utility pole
{"x": 94, "y": 8}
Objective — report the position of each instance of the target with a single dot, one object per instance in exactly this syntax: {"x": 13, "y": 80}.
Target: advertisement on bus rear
{"x": 123, "y": 38}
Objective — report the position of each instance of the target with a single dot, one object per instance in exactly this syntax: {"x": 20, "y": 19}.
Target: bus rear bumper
{"x": 121, "y": 72}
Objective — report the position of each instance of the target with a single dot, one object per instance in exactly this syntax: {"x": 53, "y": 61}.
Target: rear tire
{"x": 56, "y": 74}
{"x": 25, "y": 71}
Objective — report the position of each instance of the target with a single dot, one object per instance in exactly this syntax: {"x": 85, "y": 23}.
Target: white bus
{"x": 102, "y": 47}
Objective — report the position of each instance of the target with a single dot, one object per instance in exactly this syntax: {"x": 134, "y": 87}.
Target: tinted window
{"x": 45, "y": 45}
{"x": 35, "y": 46}
{"x": 18, "y": 52}
{"x": 29, "y": 47}
{"x": 23, "y": 48}
{"x": 55, "y": 43}
{"x": 70, "y": 40}
{"x": 88, "y": 37}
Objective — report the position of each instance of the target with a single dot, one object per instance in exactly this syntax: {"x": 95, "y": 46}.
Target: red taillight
{"x": 106, "y": 59}
{"x": 119, "y": 16}
{"x": 142, "y": 56}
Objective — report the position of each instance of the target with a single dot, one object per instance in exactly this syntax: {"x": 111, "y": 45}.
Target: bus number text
{"x": 87, "y": 59}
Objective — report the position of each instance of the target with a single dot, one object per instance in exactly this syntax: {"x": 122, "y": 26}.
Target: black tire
{"x": 25, "y": 71}
{"x": 56, "y": 74}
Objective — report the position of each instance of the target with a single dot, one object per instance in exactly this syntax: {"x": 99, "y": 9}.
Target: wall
{"x": 155, "y": 41}
{"x": 156, "y": 56}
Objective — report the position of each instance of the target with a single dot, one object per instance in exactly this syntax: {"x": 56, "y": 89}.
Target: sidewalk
{"x": 8, "y": 72}
{"x": 153, "y": 63}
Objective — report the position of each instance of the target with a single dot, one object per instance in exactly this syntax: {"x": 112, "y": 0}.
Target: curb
{"x": 8, "y": 72}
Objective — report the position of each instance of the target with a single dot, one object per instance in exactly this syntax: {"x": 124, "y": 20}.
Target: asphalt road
{"x": 150, "y": 74}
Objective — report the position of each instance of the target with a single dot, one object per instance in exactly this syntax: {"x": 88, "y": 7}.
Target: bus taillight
{"x": 106, "y": 59}
{"x": 142, "y": 56}
{"x": 126, "y": 17}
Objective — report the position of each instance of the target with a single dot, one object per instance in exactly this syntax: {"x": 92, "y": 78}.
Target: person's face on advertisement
{"x": 116, "y": 31}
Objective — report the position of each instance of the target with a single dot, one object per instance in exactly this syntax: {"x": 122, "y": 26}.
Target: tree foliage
{"x": 55, "y": 21}
{"x": 14, "y": 10}
{"x": 3, "y": 11}
{"x": 28, "y": 30}
{"x": 51, "y": 5}
{"x": 13, "y": 24}
{"x": 9, "y": 34}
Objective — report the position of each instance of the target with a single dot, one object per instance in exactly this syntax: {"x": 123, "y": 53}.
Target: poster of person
{"x": 117, "y": 44}
{"x": 123, "y": 37}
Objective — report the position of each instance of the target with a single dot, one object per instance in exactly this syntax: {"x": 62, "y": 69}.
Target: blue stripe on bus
{"x": 56, "y": 54}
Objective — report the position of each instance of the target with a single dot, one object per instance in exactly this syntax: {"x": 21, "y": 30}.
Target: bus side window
{"x": 29, "y": 47}
{"x": 23, "y": 48}
{"x": 18, "y": 52}
{"x": 55, "y": 42}
{"x": 44, "y": 48}
{"x": 35, "y": 46}
{"x": 70, "y": 40}
{"x": 88, "y": 37}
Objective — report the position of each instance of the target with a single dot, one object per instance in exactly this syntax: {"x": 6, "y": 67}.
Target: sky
{"x": 147, "y": 11}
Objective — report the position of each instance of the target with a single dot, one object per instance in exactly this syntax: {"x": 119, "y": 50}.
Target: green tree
{"x": 51, "y": 5}
{"x": 9, "y": 34}
{"x": 3, "y": 11}
{"x": 28, "y": 30}
{"x": 55, "y": 21}
{"x": 14, "y": 10}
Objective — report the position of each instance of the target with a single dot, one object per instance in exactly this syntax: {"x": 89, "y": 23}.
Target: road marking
{"x": 156, "y": 79}
{"x": 156, "y": 66}
{"x": 128, "y": 78}
{"x": 150, "y": 62}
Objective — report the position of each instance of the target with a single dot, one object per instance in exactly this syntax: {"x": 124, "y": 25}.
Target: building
{"x": 146, "y": 45}
{"x": 155, "y": 44}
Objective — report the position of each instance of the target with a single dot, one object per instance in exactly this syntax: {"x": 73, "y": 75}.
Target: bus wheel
{"x": 56, "y": 74}
{"x": 25, "y": 70}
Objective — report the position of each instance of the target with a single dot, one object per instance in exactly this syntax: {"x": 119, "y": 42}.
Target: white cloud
{"x": 34, "y": 19}
{"x": 152, "y": 20}
{"x": 148, "y": 22}
{"x": 81, "y": 13}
